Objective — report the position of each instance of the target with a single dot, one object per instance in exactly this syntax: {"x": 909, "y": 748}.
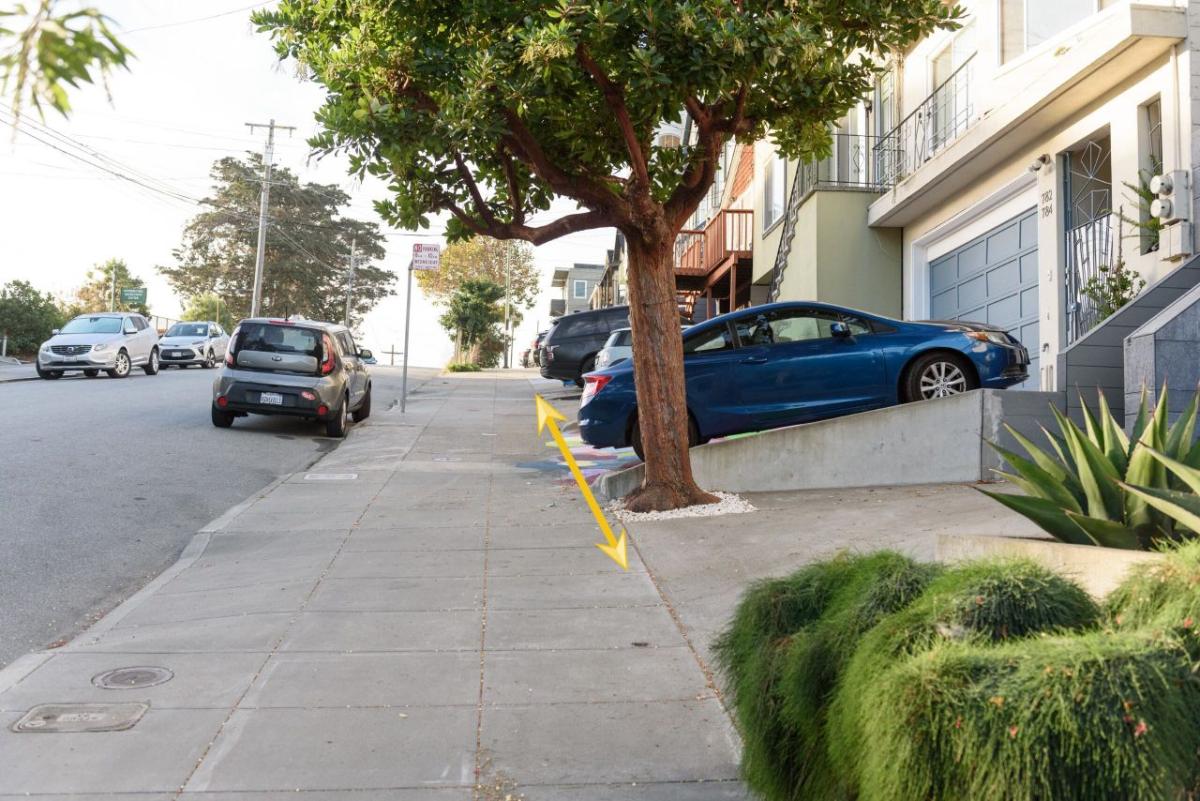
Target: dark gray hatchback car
{"x": 301, "y": 368}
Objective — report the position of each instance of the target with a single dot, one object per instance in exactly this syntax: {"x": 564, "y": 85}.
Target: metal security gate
{"x": 994, "y": 280}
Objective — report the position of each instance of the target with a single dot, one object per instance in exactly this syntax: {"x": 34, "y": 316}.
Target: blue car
{"x": 787, "y": 363}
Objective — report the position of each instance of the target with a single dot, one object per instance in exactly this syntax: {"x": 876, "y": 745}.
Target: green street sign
{"x": 134, "y": 295}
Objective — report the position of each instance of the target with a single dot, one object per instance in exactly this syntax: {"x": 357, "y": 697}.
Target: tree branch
{"x": 587, "y": 191}
{"x": 536, "y": 235}
{"x": 696, "y": 181}
{"x": 516, "y": 200}
{"x": 480, "y": 206}
{"x": 614, "y": 96}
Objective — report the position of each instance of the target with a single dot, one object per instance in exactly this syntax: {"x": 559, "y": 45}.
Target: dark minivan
{"x": 569, "y": 349}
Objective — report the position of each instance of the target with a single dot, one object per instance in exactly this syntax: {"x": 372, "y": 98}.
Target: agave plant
{"x": 1098, "y": 486}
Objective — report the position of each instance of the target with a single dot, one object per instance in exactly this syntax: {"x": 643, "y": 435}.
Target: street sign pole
{"x": 424, "y": 257}
{"x": 407, "y": 316}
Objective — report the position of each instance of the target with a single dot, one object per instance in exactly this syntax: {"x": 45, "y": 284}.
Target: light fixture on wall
{"x": 1041, "y": 161}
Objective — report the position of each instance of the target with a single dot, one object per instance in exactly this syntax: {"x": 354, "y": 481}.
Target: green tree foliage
{"x": 472, "y": 314}
{"x": 306, "y": 266}
{"x": 486, "y": 110}
{"x": 97, "y": 293}
{"x": 209, "y": 306}
{"x": 484, "y": 259}
{"x": 51, "y": 50}
{"x": 27, "y": 317}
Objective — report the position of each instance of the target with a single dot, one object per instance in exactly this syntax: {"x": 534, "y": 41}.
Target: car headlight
{"x": 994, "y": 337}
{"x": 45, "y": 347}
{"x": 99, "y": 346}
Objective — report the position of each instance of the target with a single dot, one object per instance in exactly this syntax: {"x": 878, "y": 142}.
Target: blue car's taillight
{"x": 591, "y": 385}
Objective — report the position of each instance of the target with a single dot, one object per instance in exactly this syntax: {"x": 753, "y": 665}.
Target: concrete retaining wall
{"x": 932, "y": 442}
{"x": 1097, "y": 570}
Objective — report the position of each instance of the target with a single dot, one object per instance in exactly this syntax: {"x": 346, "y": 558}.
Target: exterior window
{"x": 1150, "y": 131}
{"x": 885, "y": 103}
{"x": 774, "y": 184}
{"x": 580, "y": 289}
{"x": 952, "y": 56}
{"x": 781, "y": 327}
{"x": 1025, "y": 24}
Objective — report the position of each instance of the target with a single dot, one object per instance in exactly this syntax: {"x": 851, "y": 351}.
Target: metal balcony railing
{"x": 935, "y": 123}
{"x": 851, "y": 165}
{"x": 730, "y": 232}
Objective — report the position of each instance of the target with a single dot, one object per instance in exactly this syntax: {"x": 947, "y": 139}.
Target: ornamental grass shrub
{"x": 981, "y": 603}
{"x": 1161, "y": 596}
{"x": 1094, "y": 716}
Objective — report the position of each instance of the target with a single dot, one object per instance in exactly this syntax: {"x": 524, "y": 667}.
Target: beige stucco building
{"x": 995, "y": 169}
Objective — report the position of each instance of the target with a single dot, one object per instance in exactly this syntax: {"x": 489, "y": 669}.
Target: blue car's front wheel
{"x": 938, "y": 375}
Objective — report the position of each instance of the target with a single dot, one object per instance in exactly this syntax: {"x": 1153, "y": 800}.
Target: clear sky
{"x": 200, "y": 74}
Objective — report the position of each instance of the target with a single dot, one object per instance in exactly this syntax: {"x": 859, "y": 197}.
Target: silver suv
{"x": 202, "y": 343}
{"x": 301, "y": 368}
{"x": 115, "y": 342}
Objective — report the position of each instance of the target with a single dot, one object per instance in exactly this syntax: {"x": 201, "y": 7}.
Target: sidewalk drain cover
{"x": 77, "y": 718}
{"x": 330, "y": 476}
{"x": 132, "y": 678}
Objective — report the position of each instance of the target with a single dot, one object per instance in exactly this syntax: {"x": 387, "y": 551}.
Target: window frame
{"x": 575, "y": 293}
{"x": 777, "y": 164}
{"x": 806, "y": 311}
{"x": 1096, "y": 7}
{"x": 730, "y": 335}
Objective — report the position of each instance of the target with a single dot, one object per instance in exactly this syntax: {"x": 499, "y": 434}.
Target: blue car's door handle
{"x": 755, "y": 360}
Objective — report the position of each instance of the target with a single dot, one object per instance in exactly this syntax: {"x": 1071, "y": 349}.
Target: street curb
{"x": 231, "y": 514}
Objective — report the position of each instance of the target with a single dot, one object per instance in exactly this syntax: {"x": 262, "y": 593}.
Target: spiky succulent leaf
{"x": 1046, "y": 515}
{"x": 1188, "y": 476}
{"x": 1139, "y": 425}
{"x": 1060, "y": 448}
{"x": 1096, "y": 474}
{"x": 1053, "y": 466}
{"x": 1109, "y": 533}
{"x": 1037, "y": 481}
{"x": 1183, "y": 431}
{"x": 1116, "y": 444}
{"x": 1181, "y": 507}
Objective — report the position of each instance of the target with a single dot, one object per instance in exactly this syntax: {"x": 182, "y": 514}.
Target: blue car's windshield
{"x": 93, "y": 325}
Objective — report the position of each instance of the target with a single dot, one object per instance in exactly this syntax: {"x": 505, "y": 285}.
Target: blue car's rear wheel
{"x": 635, "y": 437}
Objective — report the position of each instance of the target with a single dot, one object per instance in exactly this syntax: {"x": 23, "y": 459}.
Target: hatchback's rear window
{"x": 267, "y": 338}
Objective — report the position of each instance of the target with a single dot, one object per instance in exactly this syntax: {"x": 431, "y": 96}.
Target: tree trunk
{"x": 658, "y": 366}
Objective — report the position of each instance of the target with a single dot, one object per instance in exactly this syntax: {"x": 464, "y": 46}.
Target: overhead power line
{"x": 194, "y": 20}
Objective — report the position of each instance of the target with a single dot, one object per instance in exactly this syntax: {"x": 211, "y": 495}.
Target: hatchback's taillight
{"x": 229, "y": 349}
{"x": 330, "y": 361}
{"x": 592, "y": 384}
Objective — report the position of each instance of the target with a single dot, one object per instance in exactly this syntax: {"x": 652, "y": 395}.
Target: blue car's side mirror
{"x": 839, "y": 330}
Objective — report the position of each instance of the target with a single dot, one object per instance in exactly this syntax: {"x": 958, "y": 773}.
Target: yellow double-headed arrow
{"x": 614, "y": 548}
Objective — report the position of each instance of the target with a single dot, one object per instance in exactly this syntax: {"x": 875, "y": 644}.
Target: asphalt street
{"x": 103, "y": 482}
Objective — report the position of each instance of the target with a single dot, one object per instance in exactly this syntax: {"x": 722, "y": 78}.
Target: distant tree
{"x": 97, "y": 294}
{"x": 485, "y": 259}
{"x": 306, "y": 265}
{"x": 27, "y": 317}
{"x": 472, "y": 315}
{"x": 486, "y": 110}
{"x": 209, "y": 306}
{"x": 50, "y": 51}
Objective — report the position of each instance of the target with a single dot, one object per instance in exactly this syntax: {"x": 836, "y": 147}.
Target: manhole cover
{"x": 76, "y": 718}
{"x": 132, "y": 678}
{"x": 330, "y": 476}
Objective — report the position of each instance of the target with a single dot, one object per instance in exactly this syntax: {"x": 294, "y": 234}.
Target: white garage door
{"x": 994, "y": 280}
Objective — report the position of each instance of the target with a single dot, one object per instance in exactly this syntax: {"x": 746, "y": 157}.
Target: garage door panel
{"x": 943, "y": 274}
{"x": 973, "y": 292}
{"x": 945, "y": 305}
{"x": 993, "y": 279}
{"x": 972, "y": 259}
{"x": 1005, "y": 278}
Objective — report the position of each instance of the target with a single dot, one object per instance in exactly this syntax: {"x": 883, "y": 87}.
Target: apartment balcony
{"x": 967, "y": 130}
{"x": 852, "y": 166}
{"x": 728, "y": 237}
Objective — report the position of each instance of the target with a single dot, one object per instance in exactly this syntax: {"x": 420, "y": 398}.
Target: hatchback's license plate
{"x": 270, "y": 399}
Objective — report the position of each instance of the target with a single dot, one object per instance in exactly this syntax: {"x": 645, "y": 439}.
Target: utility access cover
{"x": 132, "y": 678}
{"x": 330, "y": 476}
{"x": 76, "y": 718}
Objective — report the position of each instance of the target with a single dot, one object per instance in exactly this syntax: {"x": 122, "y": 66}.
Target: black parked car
{"x": 569, "y": 349}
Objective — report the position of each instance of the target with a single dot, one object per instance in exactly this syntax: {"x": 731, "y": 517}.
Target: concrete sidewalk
{"x": 416, "y": 617}
{"x": 17, "y": 372}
